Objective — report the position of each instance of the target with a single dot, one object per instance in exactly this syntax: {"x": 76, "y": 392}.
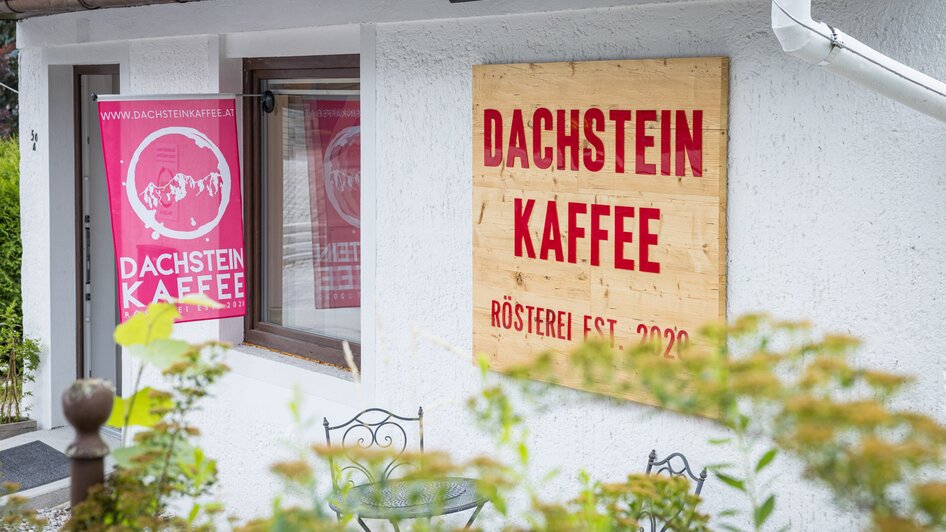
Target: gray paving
{"x": 57, "y": 492}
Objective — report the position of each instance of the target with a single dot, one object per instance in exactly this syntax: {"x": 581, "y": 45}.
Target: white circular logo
{"x": 145, "y": 203}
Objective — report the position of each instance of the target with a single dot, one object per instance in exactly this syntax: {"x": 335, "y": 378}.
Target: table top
{"x": 409, "y": 499}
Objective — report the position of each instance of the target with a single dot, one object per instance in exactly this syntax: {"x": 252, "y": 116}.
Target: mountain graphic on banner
{"x": 343, "y": 160}
{"x": 177, "y": 189}
{"x": 345, "y": 180}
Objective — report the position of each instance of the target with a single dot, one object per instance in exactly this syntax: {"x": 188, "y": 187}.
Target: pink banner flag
{"x": 173, "y": 172}
{"x": 334, "y": 136}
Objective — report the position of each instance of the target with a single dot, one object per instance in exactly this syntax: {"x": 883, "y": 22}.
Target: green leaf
{"x": 551, "y": 475}
{"x": 141, "y": 406}
{"x": 125, "y": 456}
{"x": 198, "y": 300}
{"x": 728, "y": 513}
{"x": 523, "y": 453}
{"x": 195, "y": 465}
{"x": 500, "y": 505}
{"x": 743, "y": 422}
{"x": 155, "y": 323}
{"x": 160, "y": 353}
{"x": 764, "y": 511}
{"x": 766, "y": 459}
{"x": 720, "y": 441}
{"x": 734, "y": 482}
{"x": 193, "y": 513}
{"x": 483, "y": 363}
{"x": 214, "y": 507}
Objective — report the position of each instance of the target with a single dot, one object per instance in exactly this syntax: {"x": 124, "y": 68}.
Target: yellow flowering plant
{"x": 777, "y": 381}
{"x": 761, "y": 379}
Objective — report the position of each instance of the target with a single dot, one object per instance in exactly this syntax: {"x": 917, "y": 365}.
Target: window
{"x": 303, "y": 206}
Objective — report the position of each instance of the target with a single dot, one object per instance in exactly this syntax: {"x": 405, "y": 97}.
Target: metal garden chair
{"x": 674, "y": 465}
{"x": 374, "y": 428}
{"x": 378, "y": 495}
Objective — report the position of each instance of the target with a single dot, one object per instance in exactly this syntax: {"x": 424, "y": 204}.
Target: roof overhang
{"x": 20, "y": 9}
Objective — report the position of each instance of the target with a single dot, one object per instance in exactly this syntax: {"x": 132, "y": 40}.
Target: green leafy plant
{"x": 626, "y": 506}
{"x": 9, "y": 62}
{"x": 11, "y": 245}
{"x": 302, "y": 473}
{"x": 599, "y": 506}
{"x": 19, "y": 355}
{"x": 779, "y": 382}
{"x": 16, "y": 514}
{"x": 164, "y": 463}
{"x": 19, "y": 359}
{"x": 778, "y": 388}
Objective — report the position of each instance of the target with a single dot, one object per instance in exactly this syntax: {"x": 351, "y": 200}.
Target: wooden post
{"x": 87, "y": 405}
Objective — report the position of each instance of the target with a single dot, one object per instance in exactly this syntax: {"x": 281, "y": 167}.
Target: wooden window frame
{"x": 256, "y": 331}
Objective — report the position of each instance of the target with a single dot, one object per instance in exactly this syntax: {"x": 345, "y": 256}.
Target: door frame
{"x": 77, "y": 72}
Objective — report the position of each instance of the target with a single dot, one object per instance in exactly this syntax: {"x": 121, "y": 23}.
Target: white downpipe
{"x": 838, "y": 52}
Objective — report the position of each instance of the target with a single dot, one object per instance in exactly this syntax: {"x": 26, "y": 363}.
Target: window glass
{"x": 311, "y": 207}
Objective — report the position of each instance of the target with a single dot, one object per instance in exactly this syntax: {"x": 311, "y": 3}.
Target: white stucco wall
{"x": 836, "y": 210}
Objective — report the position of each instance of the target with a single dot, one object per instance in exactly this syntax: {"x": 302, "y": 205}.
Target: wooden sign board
{"x": 599, "y": 206}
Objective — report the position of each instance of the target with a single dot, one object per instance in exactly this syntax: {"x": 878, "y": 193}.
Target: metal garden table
{"x": 398, "y": 500}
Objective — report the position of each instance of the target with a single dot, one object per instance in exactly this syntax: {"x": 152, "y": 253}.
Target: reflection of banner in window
{"x": 333, "y": 134}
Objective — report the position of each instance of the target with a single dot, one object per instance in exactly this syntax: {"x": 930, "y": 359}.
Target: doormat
{"x": 33, "y": 464}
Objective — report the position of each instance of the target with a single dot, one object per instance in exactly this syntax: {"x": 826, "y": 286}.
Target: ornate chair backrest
{"x": 674, "y": 465}
{"x": 374, "y": 428}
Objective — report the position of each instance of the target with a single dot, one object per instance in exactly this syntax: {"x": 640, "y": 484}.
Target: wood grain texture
{"x": 690, "y": 289}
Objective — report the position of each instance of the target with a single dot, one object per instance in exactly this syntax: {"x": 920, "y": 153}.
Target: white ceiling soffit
{"x": 230, "y": 16}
